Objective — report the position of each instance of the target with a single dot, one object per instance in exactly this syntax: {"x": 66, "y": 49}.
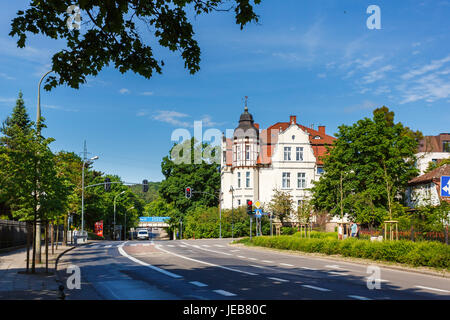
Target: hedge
{"x": 425, "y": 253}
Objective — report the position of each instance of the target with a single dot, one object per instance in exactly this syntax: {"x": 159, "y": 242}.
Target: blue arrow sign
{"x": 445, "y": 186}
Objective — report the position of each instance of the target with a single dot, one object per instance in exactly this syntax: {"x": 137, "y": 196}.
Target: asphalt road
{"x": 212, "y": 269}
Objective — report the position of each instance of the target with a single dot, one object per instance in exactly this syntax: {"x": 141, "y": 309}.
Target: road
{"x": 211, "y": 269}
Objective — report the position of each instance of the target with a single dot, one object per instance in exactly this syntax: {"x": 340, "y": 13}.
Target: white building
{"x": 285, "y": 156}
{"x": 425, "y": 189}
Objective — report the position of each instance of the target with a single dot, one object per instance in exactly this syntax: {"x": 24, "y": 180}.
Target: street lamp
{"x": 232, "y": 211}
{"x": 114, "y": 231}
{"x": 125, "y": 233}
{"x": 85, "y": 161}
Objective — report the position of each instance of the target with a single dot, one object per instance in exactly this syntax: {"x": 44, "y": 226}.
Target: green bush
{"x": 426, "y": 253}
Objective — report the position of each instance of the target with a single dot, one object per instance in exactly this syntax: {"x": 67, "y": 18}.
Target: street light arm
{"x": 38, "y": 116}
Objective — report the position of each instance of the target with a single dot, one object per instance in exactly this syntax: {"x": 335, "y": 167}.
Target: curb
{"x": 441, "y": 274}
{"x": 61, "y": 286}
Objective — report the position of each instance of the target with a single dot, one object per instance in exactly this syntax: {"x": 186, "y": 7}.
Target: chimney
{"x": 257, "y": 125}
{"x": 293, "y": 119}
{"x": 322, "y": 129}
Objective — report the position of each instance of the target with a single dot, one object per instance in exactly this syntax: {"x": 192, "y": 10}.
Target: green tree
{"x": 367, "y": 169}
{"x": 111, "y": 34}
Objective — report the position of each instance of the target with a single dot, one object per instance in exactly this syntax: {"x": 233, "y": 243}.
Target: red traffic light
{"x": 249, "y": 203}
{"x": 188, "y": 189}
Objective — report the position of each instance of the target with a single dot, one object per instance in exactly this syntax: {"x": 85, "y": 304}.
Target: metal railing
{"x": 12, "y": 233}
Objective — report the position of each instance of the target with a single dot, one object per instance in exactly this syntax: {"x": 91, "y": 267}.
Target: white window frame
{"x": 287, "y": 154}
{"x": 247, "y": 152}
{"x": 239, "y": 180}
{"x": 299, "y": 153}
{"x": 247, "y": 179}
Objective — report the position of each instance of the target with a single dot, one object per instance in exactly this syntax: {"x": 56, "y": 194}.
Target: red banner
{"x": 99, "y": 228}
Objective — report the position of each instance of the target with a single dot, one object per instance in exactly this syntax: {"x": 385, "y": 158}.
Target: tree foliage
{"x": 375, "y": 160}
{"x": 111, "y": 33}
{"x": 281, "y": 204}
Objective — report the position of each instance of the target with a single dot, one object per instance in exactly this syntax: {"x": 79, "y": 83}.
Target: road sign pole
{"x": 250, "y": 228}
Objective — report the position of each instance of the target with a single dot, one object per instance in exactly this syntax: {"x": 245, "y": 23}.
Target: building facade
{"x": 285, "y": 156}
{"x": 432, "y": 149}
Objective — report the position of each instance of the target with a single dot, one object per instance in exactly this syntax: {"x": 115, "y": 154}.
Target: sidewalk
{"x": 16, "y": 284}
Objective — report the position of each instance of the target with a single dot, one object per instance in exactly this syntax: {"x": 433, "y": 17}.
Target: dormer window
{"x": 317, "y": 137}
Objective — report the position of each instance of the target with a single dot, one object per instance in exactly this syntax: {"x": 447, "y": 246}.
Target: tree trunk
{"x": 29, "y": 231}
{"x": 38, "y": 241}
{"x": 52, "y": 242}
{"x": 57, "y": 236}
{"x": 46, "y": 247}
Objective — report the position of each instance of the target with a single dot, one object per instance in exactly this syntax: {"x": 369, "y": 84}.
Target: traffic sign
{"x": 257, "y": 204}
{"x": 445, "y": 186}
{"x": 258, "y": 213}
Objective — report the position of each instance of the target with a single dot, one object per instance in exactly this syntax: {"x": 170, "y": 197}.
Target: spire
{"x": 246, "y": 108}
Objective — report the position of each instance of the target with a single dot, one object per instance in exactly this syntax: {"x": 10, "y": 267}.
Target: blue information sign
{"x": 445, "y": 186}
{"x": 153, "y": 219}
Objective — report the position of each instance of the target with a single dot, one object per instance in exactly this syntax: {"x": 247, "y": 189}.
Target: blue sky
{"x": 314, "y": 59}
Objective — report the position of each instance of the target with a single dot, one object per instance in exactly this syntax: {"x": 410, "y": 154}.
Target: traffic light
{"x": 188, "y": 192}
{"x": 145, "y": 185}
{"x": 107, "y": 184}
{"x": 249, "y": 207}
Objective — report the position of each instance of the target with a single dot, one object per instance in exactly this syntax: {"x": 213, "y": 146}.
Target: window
{"x": 224, "y": 157}
{"x": 317, "y": 137}
{"x": 299, "y": 153}
{"x": 247, "y": 179}
{"x": 238, "y": 153}
{"x": 247, "y": 152}
{"x": 301, "y": 180}
{"x": 287, "y": 153}
{"x": 239, "y": 202}
{"x": 319, "y": 170}
{"x": 286, "y": 183}
{"x": 239, "y": 179}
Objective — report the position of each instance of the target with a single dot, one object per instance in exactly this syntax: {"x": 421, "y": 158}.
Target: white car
{"x": 142, "y": 235}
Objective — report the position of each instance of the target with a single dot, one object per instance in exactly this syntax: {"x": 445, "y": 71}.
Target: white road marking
{"x": 242, "y": 257}
{"x": 133, "y": 244}
{"x": 315, "y": 288}
{"x": 359, "y": 297}
{"x": 235, "y": 250}
{"x": 381, "y": 280}
{"x": 198, "y": 284}
{"x": 261, "y": 267}
{"x": 182, "y": 245}
{"x": 108, "y": 246}
{"x": 254, "y": 259}
{"x": 94, "y": 247}
{"x": 205, "y": 245}
{"x": 338, "y": 273}
{"x": 267, "y": 261}
{"x": 286, "y": 264}
{"x": 167, "y": 273}
{"x": 332, "y": 266}
{"x": 219, "y": 245}
{"x": 434, "y": 289}
{"x": 278, "y": 279}
{"x": 171, "y": 245}
{"x": 198, "y": 247}
{"x": 146, "y": 244}
{"x": 207, "y": 263}
{"x": 224, "y": 293}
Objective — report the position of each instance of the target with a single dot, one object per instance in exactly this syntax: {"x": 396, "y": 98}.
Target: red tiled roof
{"x": 433, "y": 143}
{"x": 434, "y": 175}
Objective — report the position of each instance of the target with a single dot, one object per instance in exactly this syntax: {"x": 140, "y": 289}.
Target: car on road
{"x": 143, "y": 235}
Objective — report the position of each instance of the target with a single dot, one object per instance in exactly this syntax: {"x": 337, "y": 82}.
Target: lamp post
{"x": 232, "y": 212}
{"x": 85, "y": 161}
{"x": 114, "y": 231}
{"x": 125, "y": 230}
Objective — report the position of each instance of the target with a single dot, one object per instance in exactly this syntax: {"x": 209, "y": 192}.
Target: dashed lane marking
{"x": 359, "y": 297}
{"x": 207, "y": 263}
{"x": 167, "y": 273}
{"x": 198, "y": 284}
{"x": 267, "y": 261}
{"x": 315, "y": 288}
{"x": 224, "y": 293}
{"x": 286, "y": 264}
{"x": 277, "y": 279}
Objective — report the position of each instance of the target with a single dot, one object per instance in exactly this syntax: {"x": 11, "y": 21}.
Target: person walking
{"x": 354, "y": 229}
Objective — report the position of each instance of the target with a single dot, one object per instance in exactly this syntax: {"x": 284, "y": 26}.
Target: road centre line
{"x": 198, "y": 284}
{"x": 315, "y": 288}
{"x": 167, "y": 273}
{"x": 224, "y": 293}
{"x": 286, "y": 264}
{"x": 207, "y": 263}
{"x": 358, "y": 297}
{"x": 434, "y": 289}
{"x": 267, "y": 261}
{"x": 198, "y": 247}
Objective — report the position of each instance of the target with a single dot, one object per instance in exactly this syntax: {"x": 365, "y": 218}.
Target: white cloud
{"x": 5, "y": 76}
{"x": 54, "y": 107}
{"x": 124, "y": 91}
{"x": 376, "y": 74}
{"x": 365, "y": 105}
{"x": 147, "y": 93}
{"x": 322, "y": 75}
{"x": 7, "y": 101}
{"x": 179, "y": 119}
